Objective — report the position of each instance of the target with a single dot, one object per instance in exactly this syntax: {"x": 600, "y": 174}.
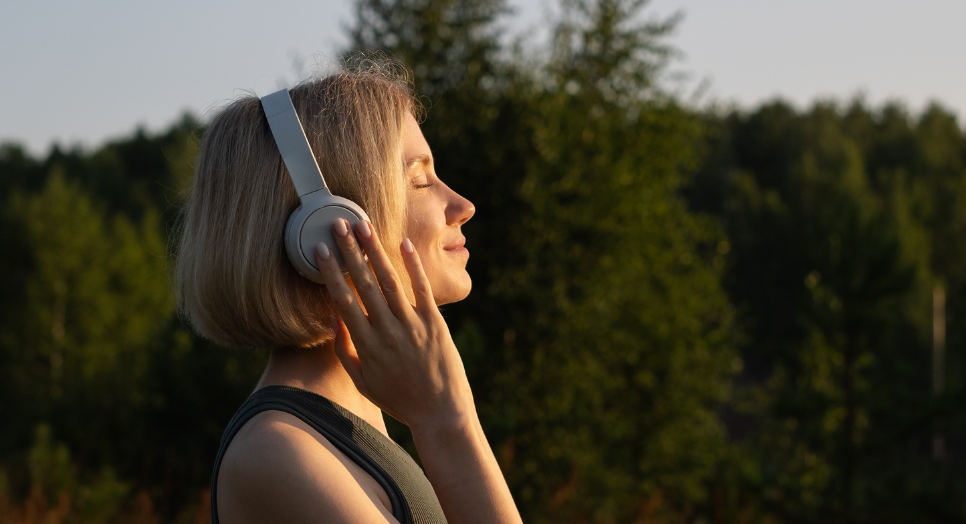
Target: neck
{"x": 318, "y": 369}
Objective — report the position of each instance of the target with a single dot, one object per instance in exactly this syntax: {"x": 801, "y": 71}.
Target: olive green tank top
{"x": 410, "y": 493}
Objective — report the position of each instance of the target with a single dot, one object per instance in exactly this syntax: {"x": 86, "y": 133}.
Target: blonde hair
{"x": 234, "y": 282}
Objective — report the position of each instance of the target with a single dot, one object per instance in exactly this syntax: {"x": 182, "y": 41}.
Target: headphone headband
{"x": 319, "y": 209}
{"x": 292, "y": 143}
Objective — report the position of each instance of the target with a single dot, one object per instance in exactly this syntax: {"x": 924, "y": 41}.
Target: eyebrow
{"x": 424, "y": 159}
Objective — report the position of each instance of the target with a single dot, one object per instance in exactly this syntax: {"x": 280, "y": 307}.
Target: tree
{"x": 833, "y": 266}
{"x": 89, "y": 341}
{"x": 597, "y": 341}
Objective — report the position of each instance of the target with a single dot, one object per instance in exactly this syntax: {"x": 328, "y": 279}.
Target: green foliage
{"x": 89, "y": 343}
{"x": 91, "y": 299}
{"x": 832, "y": 219}
{"x": 50, "y": 466}
{"x": 58, "y": 494}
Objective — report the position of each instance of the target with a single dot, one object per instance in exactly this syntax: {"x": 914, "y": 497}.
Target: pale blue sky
{"x": 83, "y": 72}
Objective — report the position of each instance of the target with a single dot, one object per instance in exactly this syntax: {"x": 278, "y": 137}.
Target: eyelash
{"x": 423, "y": 186}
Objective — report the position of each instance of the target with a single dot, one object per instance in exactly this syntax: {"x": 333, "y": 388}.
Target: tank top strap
{"x": 410, "y": 493}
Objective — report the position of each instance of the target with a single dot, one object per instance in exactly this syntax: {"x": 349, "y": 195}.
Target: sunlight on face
{"x": 434, "y": 214}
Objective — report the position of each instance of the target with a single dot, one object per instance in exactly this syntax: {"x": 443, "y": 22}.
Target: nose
{"x": 458, "y": 209}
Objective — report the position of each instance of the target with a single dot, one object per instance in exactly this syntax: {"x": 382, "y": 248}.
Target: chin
{"x": 456, "y": 290}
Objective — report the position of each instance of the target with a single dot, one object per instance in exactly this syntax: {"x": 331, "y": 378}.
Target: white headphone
{"x": 312, "y": 221}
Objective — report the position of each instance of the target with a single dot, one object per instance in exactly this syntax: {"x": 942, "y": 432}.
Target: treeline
{"x": 678, "y": 315}
{"x": 111, "y": 406}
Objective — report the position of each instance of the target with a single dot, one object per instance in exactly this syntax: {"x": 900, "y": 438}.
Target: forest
{"x": 680, "y": 314}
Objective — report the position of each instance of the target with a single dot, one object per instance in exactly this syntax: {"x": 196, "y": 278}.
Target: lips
{"x": 455, "y": 245}
{"x": 457, "y": 248}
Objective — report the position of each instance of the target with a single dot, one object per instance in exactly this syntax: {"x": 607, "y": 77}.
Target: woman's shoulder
{"x": 279, "y": 469}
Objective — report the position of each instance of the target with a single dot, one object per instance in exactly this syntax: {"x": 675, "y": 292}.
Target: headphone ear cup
{"x": 310, "y": 225}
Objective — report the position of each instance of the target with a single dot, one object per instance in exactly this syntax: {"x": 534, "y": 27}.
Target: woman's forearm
{"x": 464, "y": 472}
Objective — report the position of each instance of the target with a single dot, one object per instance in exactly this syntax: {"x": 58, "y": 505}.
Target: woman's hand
{"x": 400, "y": 356}
{"x": 403, "y": 359}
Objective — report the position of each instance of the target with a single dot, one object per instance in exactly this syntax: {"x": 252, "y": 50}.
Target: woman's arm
{"x": 465, "y": 475}
{"x": 403, "y": 359}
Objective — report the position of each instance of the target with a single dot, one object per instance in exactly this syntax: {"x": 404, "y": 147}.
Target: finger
{"x": 386, "y": 274}
{"x": 346, "y": 351}
{"x": 421, "y": 288}
{"x": 362, "y": 277}
{"x": 341, "y": 293}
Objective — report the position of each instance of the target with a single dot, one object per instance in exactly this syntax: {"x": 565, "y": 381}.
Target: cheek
{"x": 420, "y": 227}
{"x": 417, "y": 235}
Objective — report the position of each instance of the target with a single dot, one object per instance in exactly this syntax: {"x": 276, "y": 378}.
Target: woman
{"x": 310, "y": 444}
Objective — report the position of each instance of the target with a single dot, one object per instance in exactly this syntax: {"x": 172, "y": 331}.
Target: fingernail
{"x": 342, "y": 227}
{"x": 364, "y": 230}
{"x": 407, "y": 246}
{"x": 323, "y": 250}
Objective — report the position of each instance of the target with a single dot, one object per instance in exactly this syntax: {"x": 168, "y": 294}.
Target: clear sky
{"x": 83, "y": 72}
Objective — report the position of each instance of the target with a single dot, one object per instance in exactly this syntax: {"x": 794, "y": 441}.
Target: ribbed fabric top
{"x": 410, "y": 493}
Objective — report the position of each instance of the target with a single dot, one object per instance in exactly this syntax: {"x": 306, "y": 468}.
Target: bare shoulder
{"x": 277, "y": 469}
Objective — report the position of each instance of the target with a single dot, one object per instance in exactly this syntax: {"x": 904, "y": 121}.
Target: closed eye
{"x": 421, "y": 181}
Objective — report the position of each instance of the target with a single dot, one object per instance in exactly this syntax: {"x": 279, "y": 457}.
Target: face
{"x": 434, "y": 215}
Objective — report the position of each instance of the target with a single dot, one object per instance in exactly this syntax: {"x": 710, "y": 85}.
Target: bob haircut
{"x": 234, "y": 282}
